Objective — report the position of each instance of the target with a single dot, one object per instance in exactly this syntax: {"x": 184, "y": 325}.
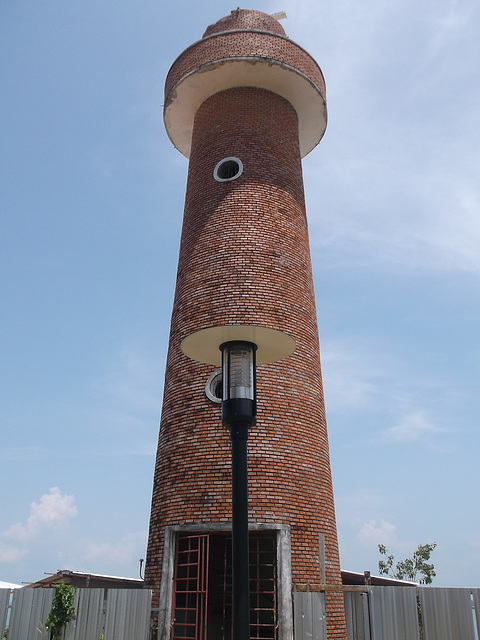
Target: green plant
{"x": 62, "y": 611}
{"x": 410, "y": 568}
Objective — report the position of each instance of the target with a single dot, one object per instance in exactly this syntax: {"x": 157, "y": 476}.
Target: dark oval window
{"x": 228, "y": 169}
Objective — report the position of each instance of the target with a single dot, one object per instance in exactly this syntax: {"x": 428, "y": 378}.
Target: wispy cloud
{"x": 121, "y": 551}
{"x": 416, "y": 200}
{"x": 126, "y": 400}
{"x": 425, "y": 215}
{"x": 355, "y": 507}
{"x": 451, "y": 22}
{"x": 133, "y": 379}
{"x": 414, "y": 427}
{"x": 27, "y": 453}
{"x": 373, "y": 533}
{"x": 365, "y": 380}
{"x": 351, "y": 378}
{"x": 10, "y": 553}
{"x": 383, "y": 533}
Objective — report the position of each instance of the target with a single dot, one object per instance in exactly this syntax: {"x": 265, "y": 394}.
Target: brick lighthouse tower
{"x": 244, "y": 104}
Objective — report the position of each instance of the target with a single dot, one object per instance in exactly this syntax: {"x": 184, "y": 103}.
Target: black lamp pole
{"x": 239, "y": 409}
{"x": 240, "y": 551}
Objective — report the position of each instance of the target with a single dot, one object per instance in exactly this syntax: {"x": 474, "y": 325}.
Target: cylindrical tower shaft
{"x": 244, "y": 261}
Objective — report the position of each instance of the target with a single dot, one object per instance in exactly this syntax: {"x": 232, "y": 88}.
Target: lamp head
{"x": 239, "y": 403}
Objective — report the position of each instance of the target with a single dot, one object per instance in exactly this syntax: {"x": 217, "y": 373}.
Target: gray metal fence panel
{"x": 30, "y": 609}
{"x": 476, "y": 604}
{"x": 90, "y": 616}
{"x": 447, "y": 613}
{"x": 5, "y": 595}
{"x": 309, "y": 615}
{"x": 357, "y": 615}
{"x": 384, "y": 613}
{"x": 128, "y": 614}
{"x": 393, "y": 613}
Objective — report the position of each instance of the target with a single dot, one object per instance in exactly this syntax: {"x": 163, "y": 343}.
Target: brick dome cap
{"x": 246, "y": 19}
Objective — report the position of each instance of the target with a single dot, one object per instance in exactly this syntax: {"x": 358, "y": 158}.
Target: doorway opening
{"x": 202, "y": 593}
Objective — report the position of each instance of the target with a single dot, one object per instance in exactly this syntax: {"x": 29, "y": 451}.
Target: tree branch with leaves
{"x": 411, "y": 568}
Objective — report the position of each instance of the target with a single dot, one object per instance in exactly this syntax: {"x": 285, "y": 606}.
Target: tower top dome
{"x": 246, "y": 19}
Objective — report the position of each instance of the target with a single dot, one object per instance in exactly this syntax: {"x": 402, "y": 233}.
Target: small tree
{"x": 62, "y": 611}
{"x": 410, "y": 568}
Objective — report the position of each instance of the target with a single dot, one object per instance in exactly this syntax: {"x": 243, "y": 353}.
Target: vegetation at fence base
{"x": 62, "y": 611}
{"x": 5, "y": 634}
{"x": 421, "y": 627}
{"x": 410, "y": 568}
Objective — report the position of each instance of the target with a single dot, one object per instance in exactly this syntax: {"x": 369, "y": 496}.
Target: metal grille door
{"x": 263, "y": 587}
{"x": 202, "y": 596}
{"x": 190, "y": 588}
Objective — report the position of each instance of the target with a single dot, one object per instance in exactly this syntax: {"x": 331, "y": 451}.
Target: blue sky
{"x": 91, "y": 200}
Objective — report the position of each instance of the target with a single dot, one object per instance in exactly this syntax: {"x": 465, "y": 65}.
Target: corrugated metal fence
{"x": 372, "y": 613}
{"x": 406, "y": 613}
{"x": 118, "y": 614}
{"x": 309, "y": 614}
{"x": 394, "y": 613}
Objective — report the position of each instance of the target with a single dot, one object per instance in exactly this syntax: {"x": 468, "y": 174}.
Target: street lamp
{"x": 239, "y": 348}
{"x": 239, "y": 412}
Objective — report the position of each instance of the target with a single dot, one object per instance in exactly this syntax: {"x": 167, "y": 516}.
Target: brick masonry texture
{"x": 246, "y": 19}
{"x": 243, "y": 44}
{"x": 244, "y": 258}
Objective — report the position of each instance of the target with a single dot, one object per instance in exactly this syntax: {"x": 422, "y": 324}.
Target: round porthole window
{"x": 228, "y": 169}
{"x": 213, "y": 388}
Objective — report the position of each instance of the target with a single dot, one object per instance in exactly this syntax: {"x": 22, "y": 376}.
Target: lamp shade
{"x": 204, "y": 345}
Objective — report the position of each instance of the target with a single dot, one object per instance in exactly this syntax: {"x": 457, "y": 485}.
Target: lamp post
{"x": 239, "y": 410}
{"x": 239, "y": 348}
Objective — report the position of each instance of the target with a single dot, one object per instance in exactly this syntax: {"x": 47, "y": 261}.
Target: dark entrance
{"x": 202, "y": 593}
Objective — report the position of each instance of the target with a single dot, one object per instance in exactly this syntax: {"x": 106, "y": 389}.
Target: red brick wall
{"x": 244, "y": 44}
{"x": 244, "y": 258}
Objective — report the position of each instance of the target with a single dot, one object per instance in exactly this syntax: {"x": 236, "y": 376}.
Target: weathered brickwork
{"x": 245, "y": 259}
{"x": 249, "y": 19}
{"x": 243, "y": 44}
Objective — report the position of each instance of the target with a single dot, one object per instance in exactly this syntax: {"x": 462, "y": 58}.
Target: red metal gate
{"x": 190, "y": 588}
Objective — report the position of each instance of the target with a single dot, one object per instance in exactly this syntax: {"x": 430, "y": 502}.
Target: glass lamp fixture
{"x": 239, "y": 404}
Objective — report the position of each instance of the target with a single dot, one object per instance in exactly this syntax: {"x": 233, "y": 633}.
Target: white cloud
{"x": 371, "y": 533}
{"x": 413, "y": 427}
{"x": 54, "y": 509}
